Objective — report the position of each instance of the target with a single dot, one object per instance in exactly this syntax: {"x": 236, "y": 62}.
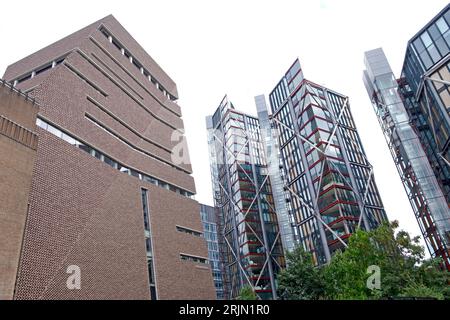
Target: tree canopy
{"x": 395, "y": 258}
{"x": 247, "y": 293}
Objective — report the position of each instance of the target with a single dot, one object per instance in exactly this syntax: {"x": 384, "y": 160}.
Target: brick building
{"x": 109, "y": 194}
{"x": 18, "y": 142}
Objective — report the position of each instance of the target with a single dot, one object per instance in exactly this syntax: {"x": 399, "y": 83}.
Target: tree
{"x": 400, "y": 259}
{"x": 301, "y": 280}
{"x": 421, "y": 291}
{"x": 247, "y": 293}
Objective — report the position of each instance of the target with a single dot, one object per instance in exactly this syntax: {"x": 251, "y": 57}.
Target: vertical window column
{"x": 148, "y": 244}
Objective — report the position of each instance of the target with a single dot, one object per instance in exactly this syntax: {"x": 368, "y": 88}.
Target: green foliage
{"x": 247, "y": 293}
{"x": 400, "y": 258}
{"x": 421, "y": 291}
{"x": 302, "y": 280}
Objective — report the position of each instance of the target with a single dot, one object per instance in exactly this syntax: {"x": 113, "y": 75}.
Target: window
{"x": 426, "y": 59}
{"x": 144, "y": 195}
{"x": 135, "y": 62}
{"x": 96, "y": 154}
{"x": 124, "y": 169}
{"x": 150, "y": 180}
{"x": 69, "y": 139}
{"x": 164, "y": 185}
{"x": 442, "y": 25}
{"x": 47, "y": 66}
{"x": 116, "y": 44}
{"x": 54, "y": 131}
{"x": 193, "y": 258}
{"x": 148, "y": 244}
{"x": 435, "y": 56}
{"x": 293, "y": 71}
{"x": 442, "y": 46}
{"x": 134, "y": 173}
{"x": 41, "y": 124}
{"x": 43, "y": 69}
{"x": 189, "y": 231}
{"x": 151, "y": 273}
{"x": 25, "y": 78}
{"x": 419, "y": 45}
{"x": 426, "y": 39}
{"x": 153, "y": 293}
{"x": 110, "y": 161}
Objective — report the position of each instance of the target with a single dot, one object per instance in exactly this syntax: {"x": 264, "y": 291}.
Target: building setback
{"x": 18, "y": 142}
{"x": 108, "y": 195}
{"x": 252, "y": 249}
{"x": 329, "y": 185}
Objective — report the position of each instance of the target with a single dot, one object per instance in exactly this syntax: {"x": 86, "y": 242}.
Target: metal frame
{"x": 256, "y": 199}
{"x": 361, "y": 200}
{"x": 428, "y": 203}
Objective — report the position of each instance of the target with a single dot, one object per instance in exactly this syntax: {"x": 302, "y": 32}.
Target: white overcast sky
{"x": 242, "y": 48}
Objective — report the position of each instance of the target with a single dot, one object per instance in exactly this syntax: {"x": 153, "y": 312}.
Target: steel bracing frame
{"x": 360, "y": 196}
{"x": 224, "y": 193}
{"x": 420, "y": 183}
{"x": 440, "y": 213}
{"x": 220, "y": 202}
{"x": 427, "y": 80}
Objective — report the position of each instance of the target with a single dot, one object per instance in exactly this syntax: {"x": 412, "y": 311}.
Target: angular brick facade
{"x": 18, "y": 142}
{"x": 87, "y": 213}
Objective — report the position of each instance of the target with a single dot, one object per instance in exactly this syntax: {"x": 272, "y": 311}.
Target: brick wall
{"x": 17, "y": 155}
{"x": 85, "y": 213}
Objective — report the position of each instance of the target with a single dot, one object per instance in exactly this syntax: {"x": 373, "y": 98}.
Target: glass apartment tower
{"x": 425, "y": 80}
{"x": 328, "y": 182}
{"x": 210, "y": 224}
{"x": 423, "y": 190}
{"x": 252, "y": 249}
{"x": 418, "y": 103}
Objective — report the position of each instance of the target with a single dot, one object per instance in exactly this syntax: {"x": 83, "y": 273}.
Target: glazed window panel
{"x": 447, "y": 37}
{"x": 350, "y": 210}
{"x": 346, "y": 195}
{"x": 307, "y": 115}
{"x": 442, "y": 25}
{"x": 434, "y": 54}
{"x": 316, "y": 170}
{"x": 313, "y": 157}
{"x": 334, "y": 151}
{"x": 426, "y": 60}
{"x": 445, "y": 96}
{"x": 338, "y": 165}
{"x": 434, "y": 32}
{"x": 322, "y": 124}
{"x": 293, "y": 71}
{"x": 144, "y": 196}
{"x": 426, "y": 39}
{"x": 442, "y": 46}
{"x": 321, "y": 112}
{"x": 295, "y": 82}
